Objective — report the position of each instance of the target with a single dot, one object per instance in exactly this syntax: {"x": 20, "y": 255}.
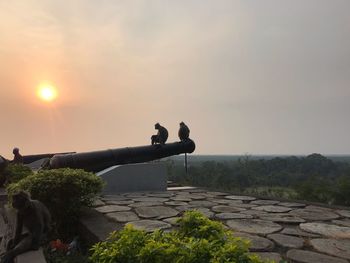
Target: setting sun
{"x": 47, "y": 93}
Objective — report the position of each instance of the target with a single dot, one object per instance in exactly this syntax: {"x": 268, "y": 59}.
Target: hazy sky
{"x": 249, "y": 76}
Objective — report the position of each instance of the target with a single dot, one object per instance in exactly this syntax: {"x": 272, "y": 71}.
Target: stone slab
{"x": 303, "y": 256}
{"x": 264, "y": 202}
{"x": 254, "y": 226}
{"x": 112, "y": 208}
{"x": 142, "y": 204}
{"x": 297, "y": 232}
{"x": 344, "y": 213}
{"x": 342, "y": 222}
{"x": 273, "y": 208}
{"x": 338, "y": 248}
{"x": 327, "y": 230}
{"x": 291, "y": 204}
{"x": 282, "y": 218}
{"x": 240, "y": 197}
{"x": 314, "y": 214}
{"x": 226, "y": 216}
{"x": 156, "y": 212}
{"x": 226, "y": 209}
{"x": 150, "y": 225}
{"x": 287, "y": 241}
{"x": 257, "y": 243}
{"x": 123, "y": 217}
{"x": 135, "y": 178}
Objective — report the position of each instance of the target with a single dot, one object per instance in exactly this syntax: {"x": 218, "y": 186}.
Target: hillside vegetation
{"x": 312, "y": 178}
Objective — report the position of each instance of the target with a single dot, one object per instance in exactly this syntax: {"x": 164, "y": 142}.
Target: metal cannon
{"x": 99, "y": 160}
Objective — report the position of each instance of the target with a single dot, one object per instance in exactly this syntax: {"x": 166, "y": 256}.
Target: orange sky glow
{"x": 246, "y": 76}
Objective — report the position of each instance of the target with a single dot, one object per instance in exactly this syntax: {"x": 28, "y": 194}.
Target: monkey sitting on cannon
{"x": 36, "y": 218}
{"x": 184, "y": 132}
{"x": 162, "y": 135}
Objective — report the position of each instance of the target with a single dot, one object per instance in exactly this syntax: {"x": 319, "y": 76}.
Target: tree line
{"x": 313, "y": 178}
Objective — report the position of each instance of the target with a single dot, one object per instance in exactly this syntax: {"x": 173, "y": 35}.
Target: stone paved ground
{"x": 291, "y": 231}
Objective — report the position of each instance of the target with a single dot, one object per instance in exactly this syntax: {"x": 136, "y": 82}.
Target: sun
{"x": 47, "y": 93}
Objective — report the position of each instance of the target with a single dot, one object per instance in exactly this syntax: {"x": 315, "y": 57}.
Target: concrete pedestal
{"x": 134, "y": 178}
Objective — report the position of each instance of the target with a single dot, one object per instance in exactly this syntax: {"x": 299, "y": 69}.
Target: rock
{"x": 181, "y": 199}
{"x": 225, "y": 216}
{"x": 344, "y": 213}
{"x": 255, "y": 213}
{"x": 156, "y": 211}
{"x": 293, "y": 205}
{"x": 226, "y": 209}
{"x": 254, "y": 226}
{"x": 112, "y": 202}
{"x": 257, "y": 243}
{"x": 226, "y": 201}
{"x": 183, "y": 208}
{"x": 97, "y": 203}
{"x": 239, "y": 197}
{"x": 287, "y": 241}
{"x": 297, "y": 232}
{"x": 282, "y": 218}
{"x": 196, "y": 197}
{"x": 327, "y": 230}
{"x": 264, "y": 202}
{"x": 150, "y": 225}
{"x": 150, "y": 199}
{"x": 314, "y": 214}
{"x": 175, "y": 203}
{"x": 338, "y": 248}
{"x": 273, "y": 208}
{"x": 114, "y": 198}
{"x": 202, "y": 203}
{"x": 217, "y": 193}
{"x": 160, "y": 194}
{"x": 271, "y": 256}
{"x": 172, "y": 220}
{"x": 304, "y": 256}
{"x": 112, "y": 208}
{"x": 205, "y": 211}
{"x": 343, "y": 222}
{"x": 142, "y": 204}
{"x": 123, "y": 216}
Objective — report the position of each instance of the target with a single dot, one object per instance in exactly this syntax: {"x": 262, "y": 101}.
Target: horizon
{"x": 245, "y": 76}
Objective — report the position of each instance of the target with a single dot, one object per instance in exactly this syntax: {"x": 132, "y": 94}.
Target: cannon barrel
{"x": 99, "y": 160}
{"x": 27, "y": 159}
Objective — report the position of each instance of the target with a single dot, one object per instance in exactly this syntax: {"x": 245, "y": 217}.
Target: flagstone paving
{"x": 289, "y": 231}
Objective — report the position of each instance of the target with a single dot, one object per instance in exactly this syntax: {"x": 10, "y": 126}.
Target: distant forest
{"x": 313, "y": 177}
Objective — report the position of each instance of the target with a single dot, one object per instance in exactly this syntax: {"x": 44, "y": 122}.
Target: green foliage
{"x": 63, "y": 191}
{"x": 313, "y": 178}
{"x": 197, "y": 240}
{"x": 16, "y": 172}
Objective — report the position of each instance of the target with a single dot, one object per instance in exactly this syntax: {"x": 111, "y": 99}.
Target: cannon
{"x": 27, "y": 159}
{"x": 99, "y": 160}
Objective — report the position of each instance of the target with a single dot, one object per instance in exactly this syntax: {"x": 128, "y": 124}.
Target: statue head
{"x": 157, "y": 125}
{"x": 182, "y": 123}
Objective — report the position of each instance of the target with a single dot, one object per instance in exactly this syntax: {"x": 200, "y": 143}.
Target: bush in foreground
{"x": 197, "y": 240}
{"x": 63, "y": 191}
{"x": 16, "y": 172}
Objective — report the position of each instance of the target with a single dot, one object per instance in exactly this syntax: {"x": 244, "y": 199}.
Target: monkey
{"x": 18, "y": 158}
{"x": 36, "y": 218}
{"x": 184, "y": 132}
{"x": 162, "y": 135}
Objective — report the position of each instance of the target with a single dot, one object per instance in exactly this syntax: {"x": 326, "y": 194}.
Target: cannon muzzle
{"x": 99, "y": 160}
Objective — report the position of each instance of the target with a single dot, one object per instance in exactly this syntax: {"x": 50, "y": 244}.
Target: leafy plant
{"x": 16, "y": 172}
{"x": 197, "y": 240}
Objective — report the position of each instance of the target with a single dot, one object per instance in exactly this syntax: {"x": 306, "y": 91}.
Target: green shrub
{"x": 63, "y": 191}
{"x": 197, "y": 240}
{"x": 16, "y": 172}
